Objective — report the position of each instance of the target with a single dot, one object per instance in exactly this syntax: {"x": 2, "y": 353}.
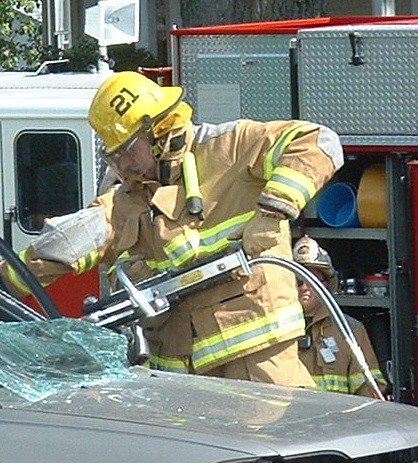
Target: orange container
{"x": 161, "y": 75}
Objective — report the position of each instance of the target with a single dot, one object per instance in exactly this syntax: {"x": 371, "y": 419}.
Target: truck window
{"x": 48, "y": 177}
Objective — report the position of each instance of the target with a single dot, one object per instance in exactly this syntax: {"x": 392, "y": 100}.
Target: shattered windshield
{"x": 40, "y": 358}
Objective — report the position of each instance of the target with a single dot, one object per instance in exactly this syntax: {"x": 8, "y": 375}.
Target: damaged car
{"x": 70, "y": 394}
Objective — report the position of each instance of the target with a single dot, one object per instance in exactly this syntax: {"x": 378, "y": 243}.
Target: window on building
{"x": 48, "y": 177}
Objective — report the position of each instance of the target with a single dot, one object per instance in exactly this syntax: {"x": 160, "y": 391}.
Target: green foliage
{"x": 86, "y": 54}
{"x": 82, "y": 56}
{"x": 20, "y": 35}
{"x": 129, "y": 58}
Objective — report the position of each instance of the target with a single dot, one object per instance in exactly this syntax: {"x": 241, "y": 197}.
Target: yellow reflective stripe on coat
{"x": 272, "y": 157}
{"x": 292, "y": 184}
{"x": 14, "y": 278}
{"x": 159, "y": 265}
{"x": 332, "y": 383}
{"x": 211, "y": 240}
{"x": 239, "y": 338}
{"x": 171, "y": 364}
{"x": 350, "y": 385}
{"x": 357, "y": 380}
{"x": 197, "y": 243}
{"x": 88, "y": 262}
{"x": 112, "y": 268}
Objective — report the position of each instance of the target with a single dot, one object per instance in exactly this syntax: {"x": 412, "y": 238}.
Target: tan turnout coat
{"x": 341, "y": 372}
{"x": 244, "y": 167}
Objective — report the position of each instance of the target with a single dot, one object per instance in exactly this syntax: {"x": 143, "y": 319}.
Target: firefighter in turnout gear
{"x": 323, "y": 349}
{"x": 187, "y": 192}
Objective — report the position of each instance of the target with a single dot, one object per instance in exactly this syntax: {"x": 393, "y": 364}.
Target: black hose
{"x": 13, "y": 310}
{"x": 38, "y": 292}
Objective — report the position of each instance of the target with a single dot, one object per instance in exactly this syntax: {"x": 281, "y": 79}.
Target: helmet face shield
{"x": 128, "y": 102}
{"x": 113, "y": 159}
{"x": 133, "y": 160}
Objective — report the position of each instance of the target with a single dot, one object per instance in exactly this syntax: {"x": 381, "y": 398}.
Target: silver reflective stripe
{"x": 329, "y": 143}
{"x": 68, "y": 238}
{"x": 207, "y": 131}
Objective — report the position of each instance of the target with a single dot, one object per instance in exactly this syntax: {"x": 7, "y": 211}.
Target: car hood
{"x": 250, "y": 417}
{"x": 64, "y": 376}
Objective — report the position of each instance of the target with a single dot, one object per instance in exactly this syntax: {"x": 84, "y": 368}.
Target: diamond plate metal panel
{"x": 376, "y": 99}
{"x": 258, "y": 65}
{"x": 379, "y": 140}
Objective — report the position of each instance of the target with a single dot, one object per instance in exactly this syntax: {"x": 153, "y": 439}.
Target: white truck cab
{"x": 47, "y": 149}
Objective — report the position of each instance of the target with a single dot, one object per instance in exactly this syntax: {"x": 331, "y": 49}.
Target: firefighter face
{"x": 134, "y": 162}
{"x": 307, "y": 297}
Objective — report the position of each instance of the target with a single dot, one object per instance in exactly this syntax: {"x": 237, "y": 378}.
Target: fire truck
{"x": 48, "y": 161}
{"x": 357, "y": 76}
{"x": 352, "y": 74}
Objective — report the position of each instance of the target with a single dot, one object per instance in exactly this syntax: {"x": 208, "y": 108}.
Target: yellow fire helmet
{"x": 307, "y": 252}
{"x": 128, "y": 102}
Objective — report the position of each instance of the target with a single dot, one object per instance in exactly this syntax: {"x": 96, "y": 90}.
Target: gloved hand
{"x": 270, "y": 212}
{"x": 262, "y": 232}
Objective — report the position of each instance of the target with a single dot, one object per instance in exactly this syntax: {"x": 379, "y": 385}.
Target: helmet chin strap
{"x": 168, "y": 151}
{"x": 164, "y": 173}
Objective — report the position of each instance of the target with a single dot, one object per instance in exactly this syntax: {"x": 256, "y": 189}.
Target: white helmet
{"x": 308, "y": 253}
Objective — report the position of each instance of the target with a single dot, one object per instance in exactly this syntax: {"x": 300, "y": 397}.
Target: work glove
{"x": 262, "y": 232}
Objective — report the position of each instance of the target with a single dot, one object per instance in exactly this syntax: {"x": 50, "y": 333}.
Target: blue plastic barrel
{"x": 337, "y": 206}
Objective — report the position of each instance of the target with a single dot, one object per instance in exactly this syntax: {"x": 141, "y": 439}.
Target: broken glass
{"x": 40, "y": 358}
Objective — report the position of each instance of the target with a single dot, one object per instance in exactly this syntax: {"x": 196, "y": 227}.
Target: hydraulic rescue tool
{"x": 159, "y": 294}
{"x": 156, "y": 295}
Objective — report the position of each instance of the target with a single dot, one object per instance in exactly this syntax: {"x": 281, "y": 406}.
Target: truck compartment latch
{"x": 357, "y": 58}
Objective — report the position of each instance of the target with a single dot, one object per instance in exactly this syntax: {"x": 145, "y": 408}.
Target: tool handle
{"x": 194, "y": 198}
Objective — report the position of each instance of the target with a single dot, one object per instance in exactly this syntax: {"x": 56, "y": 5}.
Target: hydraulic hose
{"x": 333, "y": 309}
{"x": 30, "y": 280}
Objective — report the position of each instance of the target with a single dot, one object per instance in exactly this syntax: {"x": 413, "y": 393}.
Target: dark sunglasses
{"x": 301, "y": 282}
